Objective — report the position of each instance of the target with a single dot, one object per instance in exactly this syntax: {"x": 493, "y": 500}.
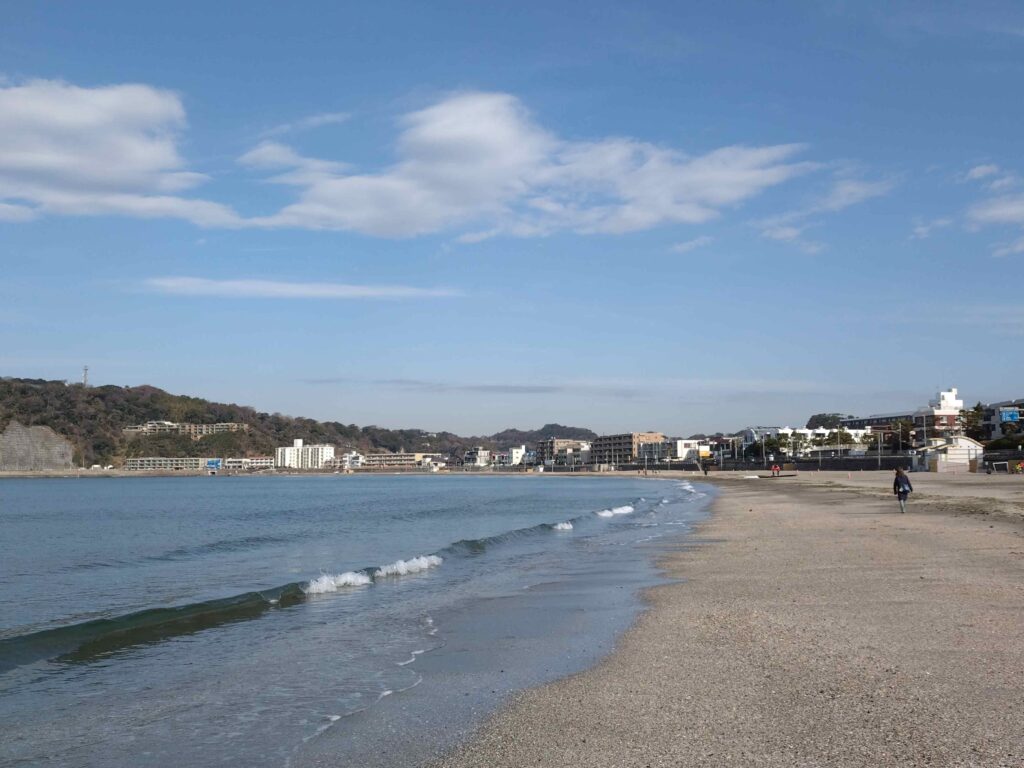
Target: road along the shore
{"x": 814, "y": 626}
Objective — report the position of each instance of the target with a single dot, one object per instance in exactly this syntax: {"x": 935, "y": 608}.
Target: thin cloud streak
{"x": 309, "y": 123}
{"x": 625, "y": 390}
{"x": 690, "y": 245}
{"x": 272, "y": 289}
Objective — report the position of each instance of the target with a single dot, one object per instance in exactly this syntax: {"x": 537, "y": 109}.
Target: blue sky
{"x": 474, "y": 216}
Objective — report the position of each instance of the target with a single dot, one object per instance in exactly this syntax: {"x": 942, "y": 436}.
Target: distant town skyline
{"x": 471, "y": 218}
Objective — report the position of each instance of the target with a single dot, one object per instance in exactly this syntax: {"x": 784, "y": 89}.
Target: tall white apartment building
{"x": 299, "y": 456}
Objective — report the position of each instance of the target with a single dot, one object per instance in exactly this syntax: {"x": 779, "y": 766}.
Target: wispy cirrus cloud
{"x": 844, "y": 192}
{"x": 692, "y": 245}
{"x": 309, "y": 123}
{"x": 924, "y": 229}
{"x": 1003, "y": 179}
{"x": 272, "y": 289}
{"x": 1003, "y": 210}
{"x": 612, "y": 388}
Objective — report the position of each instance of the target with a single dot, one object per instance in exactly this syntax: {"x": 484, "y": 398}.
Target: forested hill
{"x": 93, "y": 418}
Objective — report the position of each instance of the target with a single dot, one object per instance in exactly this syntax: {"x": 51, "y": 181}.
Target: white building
{"x": 956, "y": 454}
{"x": 251, "y": 464}
{"x": 299, "y": 456}
{"x": 477, "y": 457}
{"x": 516, "y": 455}
{"x": 801, "y": 438}
{"x": 350, "y": 460}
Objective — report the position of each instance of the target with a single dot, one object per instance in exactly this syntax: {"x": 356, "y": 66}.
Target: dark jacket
{"x": 901, "y": 484}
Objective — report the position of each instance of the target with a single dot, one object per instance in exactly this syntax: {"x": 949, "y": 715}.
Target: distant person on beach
{"x": 902, "y": 488}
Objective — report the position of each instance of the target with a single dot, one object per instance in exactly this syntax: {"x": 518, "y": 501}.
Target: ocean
{"x": 307, "y": 620}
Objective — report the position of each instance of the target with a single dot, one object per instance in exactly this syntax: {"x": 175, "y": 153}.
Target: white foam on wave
{"x": 566, "y": 526}
{"x": 623, "y": 510}
{"x": 664, "y": 501}
{"x": 411, "y": 659}
{"x": 333, "y": 582}
{"x": 412, "y": 565}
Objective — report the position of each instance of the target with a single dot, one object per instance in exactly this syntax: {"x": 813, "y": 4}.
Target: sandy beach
{"x": 813, "y": 625}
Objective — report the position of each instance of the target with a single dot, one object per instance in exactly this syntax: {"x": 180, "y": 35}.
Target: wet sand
{"x": 814, "y": 626}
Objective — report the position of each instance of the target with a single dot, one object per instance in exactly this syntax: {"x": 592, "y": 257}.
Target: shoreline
{"x": 811, "y": 625}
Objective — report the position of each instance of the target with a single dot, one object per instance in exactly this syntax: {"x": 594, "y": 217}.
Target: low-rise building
{"x": 347, "y": 461}
{"x": 1003, "y": 418}
{"x": 171, "y": 464}
{"x": 399, "y": 460}
{"x": 939, "y": 418}
{"x": 249, "y": 463}
{"x": 477, "y": 457}
{"x": 195, "y": 431}
{"x": 550, "y": 448}
{"x": 622, "y": 448}
{"x": 299, "y": 456}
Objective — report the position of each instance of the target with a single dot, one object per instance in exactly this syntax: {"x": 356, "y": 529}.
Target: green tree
{"x": 971, "y": 422}
{"x": 827, "y": 420}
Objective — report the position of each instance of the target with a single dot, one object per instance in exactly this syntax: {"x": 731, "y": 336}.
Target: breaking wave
{"x": 96, "y": 638}
{"x": 623, "y": 510}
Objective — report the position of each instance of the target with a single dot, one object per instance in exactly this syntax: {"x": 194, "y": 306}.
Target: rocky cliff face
{"x": 25, "y": 449}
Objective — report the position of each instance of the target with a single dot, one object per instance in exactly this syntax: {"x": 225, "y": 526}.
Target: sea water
{"x": 294, "y": 621}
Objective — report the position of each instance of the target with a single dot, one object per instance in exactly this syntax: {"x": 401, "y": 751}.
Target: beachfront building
{"x": 299, "y": 456}
{"x": 956, "y": 454}
{"x": 477, "y": 457}
{"x": 938, "y": 419}
{"x": 195, "y": 431}
{"x": 346, "y": 461}
{"x": 384, "y": 461}
{"x": 171, "y": 464}
{"x": 1003, "y": 418}
{"x": 516, "y": 455}
{"x": 623, "y": 448}
{"x": 574, "y": 455}
{"x": 549, "y": 449}
{"x": 249, "y": 464}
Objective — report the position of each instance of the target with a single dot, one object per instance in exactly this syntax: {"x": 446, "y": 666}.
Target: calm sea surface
{"x": 299, "y": 621}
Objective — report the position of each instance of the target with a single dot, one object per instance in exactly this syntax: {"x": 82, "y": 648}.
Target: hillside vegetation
{"x": 93, "y": 418}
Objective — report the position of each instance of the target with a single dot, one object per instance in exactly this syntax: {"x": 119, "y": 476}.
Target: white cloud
{"x": 690, "y": 245}
{"x": 981, "y": 172}
{"x": 923, "y": 230}
{"x": 844, "y": 192}
{"x": 999, "y": 210}
{"x": 847, "y": 192}
{"x": 309, "y": 123}
{"x": 1010, "y": 249}
{"x": 88, "y": 151}
{"x": 9, "y": 212}
{"x": 481, "y": 159}
{"x": 271, "y": 289}
{"x": 1004, "y": 182}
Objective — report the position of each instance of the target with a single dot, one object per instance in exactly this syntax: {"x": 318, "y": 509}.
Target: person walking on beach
{"x": 902, "y": 488}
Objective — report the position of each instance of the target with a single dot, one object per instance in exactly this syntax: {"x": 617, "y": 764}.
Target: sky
{"x": 686, "y": 217}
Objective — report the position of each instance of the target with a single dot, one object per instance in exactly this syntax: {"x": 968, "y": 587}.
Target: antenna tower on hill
{"x": 85, "y": 375}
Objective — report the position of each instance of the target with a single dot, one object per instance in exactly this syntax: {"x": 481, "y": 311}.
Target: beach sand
{"x": 814, "y": 626}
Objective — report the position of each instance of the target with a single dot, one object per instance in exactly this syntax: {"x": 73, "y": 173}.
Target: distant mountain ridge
{"x": 93, "y": 418}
